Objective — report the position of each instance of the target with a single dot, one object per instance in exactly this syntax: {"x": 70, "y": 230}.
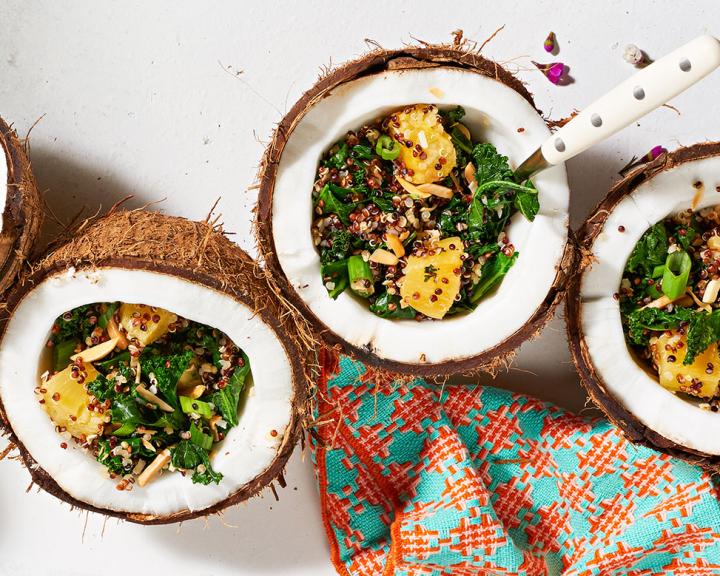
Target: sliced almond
{"x": 436, "y": 190}
{"x": 469, "y": 172}
{"x": 395, "y": 245}
{"x": 96, "y": 352}
{"x": 149, "y": 446}
{"x": 714, "y": 242}
{"x": 161, "y": 460}
{"x": 115, "y": 332}
{"x": 698, "y": 302}
{"x": 145, "y": 394}
{"x": 384, "y": 257}
{"x": 463, "y": 130}
{"x": 197, "y": 391}
{"x": 411, "y": 188}
{"x": 214, "y": 427}
{"x": 711, "y": 291}
{"x": 658, "y": 302}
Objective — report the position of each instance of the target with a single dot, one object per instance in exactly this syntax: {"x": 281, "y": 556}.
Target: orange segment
{"x": 431, "y": 282}
{"x": 698, "y": 379}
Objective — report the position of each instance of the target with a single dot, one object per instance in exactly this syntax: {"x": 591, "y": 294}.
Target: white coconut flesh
{"x": 4, "y": 184}
{"x": 247, "y": 451}
{"x": 674, "y": 417}
{"x": 494, "y": 114}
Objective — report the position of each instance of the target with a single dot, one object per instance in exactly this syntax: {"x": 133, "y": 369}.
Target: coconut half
{"x": 21, "y": 207}
{"x": 631, "y": 396}
{"x": 191, "y": 269}
{"x": 499, "y": 110}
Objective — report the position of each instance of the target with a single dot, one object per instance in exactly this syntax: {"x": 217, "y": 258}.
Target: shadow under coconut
{"x": 70, "y": 187}
{"x": 590, "y": 176}
{"x": 262, "y": 535}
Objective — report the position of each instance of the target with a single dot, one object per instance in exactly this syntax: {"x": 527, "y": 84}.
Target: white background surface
{"x": 145, "y": 98}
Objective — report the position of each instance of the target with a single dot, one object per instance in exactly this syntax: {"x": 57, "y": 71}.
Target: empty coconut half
{"x": 640, "y": 320}
{"x": 21, "y": 207}
{"x": 168, "y": 273}
{"x": 410, "y": 86}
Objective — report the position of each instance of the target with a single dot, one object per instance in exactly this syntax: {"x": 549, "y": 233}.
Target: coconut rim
{"x": 22, "y": 211}
{"x": 597, "y": 388}
{"x": 374, "y": 63}
{"x": 286, "y": 444}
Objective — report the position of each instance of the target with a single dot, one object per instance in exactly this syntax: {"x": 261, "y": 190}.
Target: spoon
{"x": 643, "y": 92}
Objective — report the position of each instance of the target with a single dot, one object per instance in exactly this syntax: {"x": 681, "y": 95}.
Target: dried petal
{"x": 553, "y": 71}
{"x": 655, "y": 152}
{"x": 633, "y": 55}
{"x": 550, "y": 43}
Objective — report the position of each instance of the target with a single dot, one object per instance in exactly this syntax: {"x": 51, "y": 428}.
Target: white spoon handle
{"x": 650, "y": 88}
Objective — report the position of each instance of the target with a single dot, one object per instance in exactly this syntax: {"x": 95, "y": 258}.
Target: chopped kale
{"x": 650, "y": 251}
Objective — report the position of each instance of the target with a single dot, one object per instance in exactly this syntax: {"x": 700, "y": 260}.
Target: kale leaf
{"x": 704, "y": 329}
{"x": 650, "y": 251}
{"x": 188, "y": 456}
{"x": 454, "y": 115}
{"x": 227, "y": 399}
{"x": 333, "y": 204}
{"x": 493, "y": 271}
{"x": 654, "y": 319}
{"x": 381, "y": 307}
{"x": 341, "y": 243}
{"x": 167, "y": 371}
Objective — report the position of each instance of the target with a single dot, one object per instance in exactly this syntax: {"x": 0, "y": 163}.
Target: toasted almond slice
{"x": 699, "y": 303}
{"x": 96, "y": 352}
{"x": 658, "y": 302}
{"x": 395, "y": 245}
{"x": 149, "y": 446}
{"x": 153, "y": 399}
{"x": 469, "y": 172}
{"x": 197, "y": 391}
{"x": 411, "y": 188}
{"x": 214, "y": 427}
{"x": 711, "y": 291}
{"x": 436, "y": 190}
{"x": 463, "y": 130}
{"x": 384, "y": 257}
{"x": 115, "y": 332}
{"x": 161, "y": 460}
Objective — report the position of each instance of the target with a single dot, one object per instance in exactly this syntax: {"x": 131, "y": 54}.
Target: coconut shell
{"x": 22, "y": 214}
{"x": 194, "y": 251}
{"x": 591, "y": 377}
{"x": 378, "y": 61}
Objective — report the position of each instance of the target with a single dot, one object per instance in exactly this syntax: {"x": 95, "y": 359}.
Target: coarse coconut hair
{"x": 22, "y": 211}
{"x": 500, "y": 108}
{"x": 192, "y": 269}
{"x": 629, "y": 395}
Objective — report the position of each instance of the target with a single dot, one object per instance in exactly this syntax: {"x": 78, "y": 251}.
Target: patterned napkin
{"x": 418, "y": 479}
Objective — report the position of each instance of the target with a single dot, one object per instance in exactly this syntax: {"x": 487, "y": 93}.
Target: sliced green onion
{"x": 387, "y": 148}
{"x": 361, "y": 277}
{"x": 658, "y": 271}
{"x": 199, "y": 438}
{"x": 192, "y": 406}
{"x": 676, "y": 274}
{"x": 337, "y": 273}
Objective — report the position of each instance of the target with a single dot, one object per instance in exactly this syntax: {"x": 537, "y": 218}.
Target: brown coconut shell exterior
{"x": 23, "y": 212}
{"x": 194, "y": 251}
{"x": 376, "y": 62}
{"x": 591, "y": 377}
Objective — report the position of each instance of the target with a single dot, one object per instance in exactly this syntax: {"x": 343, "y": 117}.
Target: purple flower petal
{"x": 655, "y": 152}
{"x": 553, "y": 71}
{"x": 550, "y": 42}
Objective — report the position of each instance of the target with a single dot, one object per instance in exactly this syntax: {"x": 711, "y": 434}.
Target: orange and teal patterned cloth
{"x": 417, "y": 479}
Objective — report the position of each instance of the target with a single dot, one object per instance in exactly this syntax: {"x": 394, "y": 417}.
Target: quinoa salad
{"x": 669, "y": 303}
{"x": 143, "y": 390}
{"x": 410, "y": 214}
